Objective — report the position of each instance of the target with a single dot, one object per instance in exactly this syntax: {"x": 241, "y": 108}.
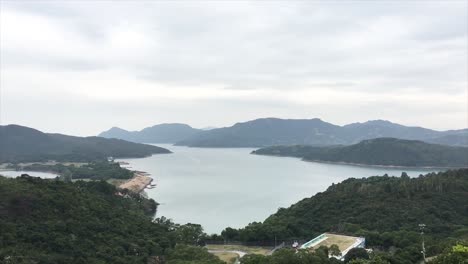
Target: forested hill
{"x": 51, "y": 221}
{"x": 275, "y": 131}
{"x": 385, "y": 210}
{"x": 266, "y": 132}
{"x": 380, "y": 151}
{"x": 22, "y": 144}
{"x": 162, "y": 133}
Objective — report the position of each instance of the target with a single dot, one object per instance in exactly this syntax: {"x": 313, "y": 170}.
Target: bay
{"x": 229, "y": 187}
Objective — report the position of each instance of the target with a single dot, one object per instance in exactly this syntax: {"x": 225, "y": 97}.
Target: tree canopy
{"x": 380, "y": 151}
{"x": 385, "y": 210}
{"x": 52, "y": 221}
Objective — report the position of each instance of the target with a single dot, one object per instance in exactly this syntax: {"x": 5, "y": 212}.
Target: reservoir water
{"x": 225, "y": 187}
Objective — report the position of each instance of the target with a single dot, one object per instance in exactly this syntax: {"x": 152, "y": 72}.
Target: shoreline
{"x": 380, "y": 166}
{"x": 361, "y": 164}
{"x": 138, "y": 182}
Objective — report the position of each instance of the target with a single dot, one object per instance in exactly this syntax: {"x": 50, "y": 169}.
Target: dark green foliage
{"x": 185, "y": 254}
{"x": 190, "y": 234}
{"x": 51, "y": 221}
{"x": 381, "y": 151}
{"x": 163, "y": 133}
{"x": 334, "y": 250}
{"x": 385, "y": 210}
{"x": 23, "y": 144}
{"x": 95, "y": 170}
{"x": 375, "y": 259}
{"x": 288, "y": 256}
{"x": 356, "y": 253}
{"x": 457, "y": 254}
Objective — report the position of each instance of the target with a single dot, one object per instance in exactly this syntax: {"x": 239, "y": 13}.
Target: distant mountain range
{"x": 379, "y": 151}
{"x": 24, "y": 144}
{"x": 274, "y": 131}
{"x": 163, "y": 133}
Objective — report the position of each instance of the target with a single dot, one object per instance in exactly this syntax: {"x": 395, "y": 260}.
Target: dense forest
{"x": 380, "y": 151}
{"x": 23, "y": 144}
{"x": 385, "y": 210}
{"x": 455, "y": 254}
{"x": 99, "y": 170}
{"x": 52, "y": 221}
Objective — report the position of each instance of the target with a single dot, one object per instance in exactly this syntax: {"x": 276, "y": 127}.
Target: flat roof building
{"x": 344, "y": 243}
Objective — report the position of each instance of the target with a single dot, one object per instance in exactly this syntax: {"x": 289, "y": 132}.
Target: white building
{"x": 344, "y": 243}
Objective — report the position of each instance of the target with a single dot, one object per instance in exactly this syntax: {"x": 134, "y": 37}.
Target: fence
{"x": 261, "y": 243}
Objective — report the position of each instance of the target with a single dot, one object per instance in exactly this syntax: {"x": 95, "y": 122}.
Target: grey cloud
{"x": 363, "y": 47}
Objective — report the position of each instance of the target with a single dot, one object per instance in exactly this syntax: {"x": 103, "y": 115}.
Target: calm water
{"x": 44, "y": 175}
{"x": 218, "y": 188}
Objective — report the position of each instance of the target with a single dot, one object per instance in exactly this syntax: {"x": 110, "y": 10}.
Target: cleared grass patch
{"x": 246, "y": 249}
{"x": 343, "y": 242}
{"x": 227, "y": 257}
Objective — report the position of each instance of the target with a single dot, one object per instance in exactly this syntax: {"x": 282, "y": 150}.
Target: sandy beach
{"x": 138, "y": 183}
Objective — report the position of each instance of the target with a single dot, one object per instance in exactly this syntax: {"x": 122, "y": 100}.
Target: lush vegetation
{"x": 23, "y": 144}
{"x": 162, "y": 133}
{"x": 52, "y": 221}
{"x": 274, "y": 131}
{"x": 385, "y": 210}
{"x": 318, "y": 256}
{"x": 100, "y": 170}
{"x": 380, "y": 151}
{"x": 185, "y": 254}
{"x": 457, "y": 254}
{"x": 289, "y": 256}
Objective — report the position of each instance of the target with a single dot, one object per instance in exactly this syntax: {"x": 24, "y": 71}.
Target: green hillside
{"x": 385, "y": 210}
{"x": 23, "y": 144}
{"x": 51, "y": 221}
{"x": 380, "y": 151}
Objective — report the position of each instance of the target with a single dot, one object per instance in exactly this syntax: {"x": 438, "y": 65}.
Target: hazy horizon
{"x": 81, "y": 67}
{"x": 229, "y": 125}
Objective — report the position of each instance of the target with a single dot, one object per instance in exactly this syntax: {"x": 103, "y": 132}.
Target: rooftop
{"x": 342, "y": 241}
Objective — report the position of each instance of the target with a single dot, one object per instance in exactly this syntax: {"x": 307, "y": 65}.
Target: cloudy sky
{"x": 82, "y": 67}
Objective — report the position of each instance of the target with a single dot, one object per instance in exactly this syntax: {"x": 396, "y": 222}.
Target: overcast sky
{"x": 82, "y": 67}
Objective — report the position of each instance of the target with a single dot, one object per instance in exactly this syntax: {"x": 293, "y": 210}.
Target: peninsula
{"x": 378, "y": 152}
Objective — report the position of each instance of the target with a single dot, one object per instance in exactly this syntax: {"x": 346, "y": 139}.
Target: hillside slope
{"x": 380, "y": 151}
{"x": 274, "y": 131}
{"x": 385, "y": 210}
{"x": 460, "y": 139}
{"x": 163, "y": 133}
{"x": 267, "y": 132}
{"x": 21, "y": 144}
{"x": 55, "y": 222}
{"x": 356, "y": 132}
